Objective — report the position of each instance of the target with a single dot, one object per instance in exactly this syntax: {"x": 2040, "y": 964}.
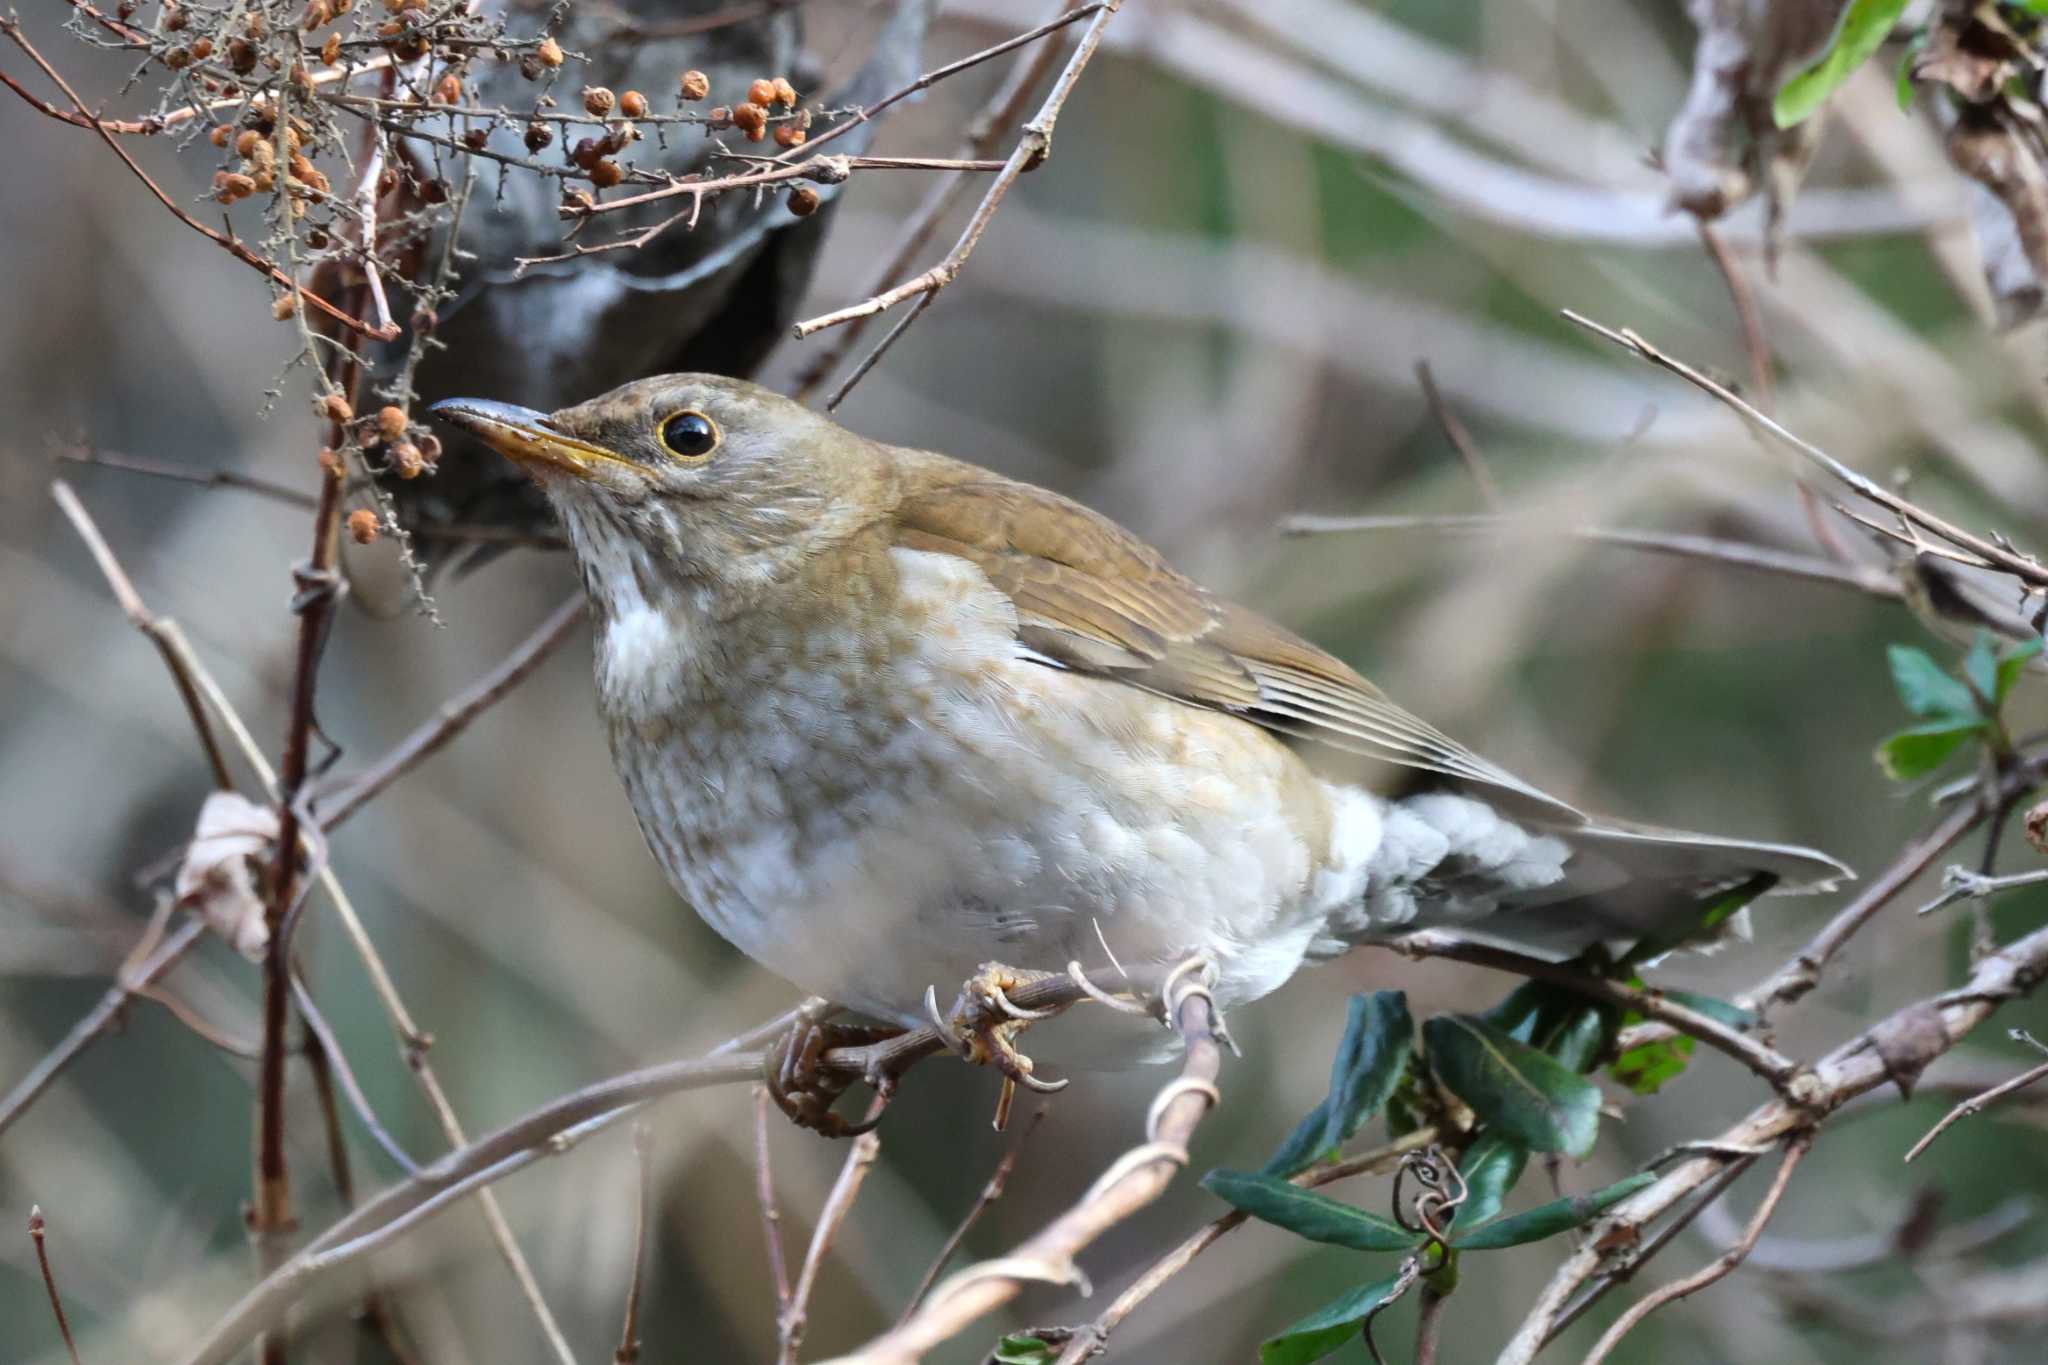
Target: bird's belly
{"x": 870, "y": 846}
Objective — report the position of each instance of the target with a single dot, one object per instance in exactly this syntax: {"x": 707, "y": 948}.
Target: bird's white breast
{"x": 878, "y": 801}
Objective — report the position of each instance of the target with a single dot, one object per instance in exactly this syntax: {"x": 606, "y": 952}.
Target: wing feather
{"x": 1092, "y": 597}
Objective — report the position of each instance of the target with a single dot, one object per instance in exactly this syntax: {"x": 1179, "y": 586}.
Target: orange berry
{"x": 391, "y": 422}
{"x": 597, "y": 101}
{"x": 785, "y": 93}
{"x": 284, "y": 306}
{"x": 695, "y": 85}
{"x": 406, "y": 458}
{"x": 330, "y": 51}
{"x": 802, "y": 201}
{"x": 748, "y": 117}
{"x": 761, "y": 92}
{"x": 333, "y": 407}
{"x": 606, "y": 173}
{"x": 633, "y": 104}
{"x": 789, "y": 135}
{"x": 448, "y": 89}
{"x": 549, "y": 52}
{"x": 362, "y": 526}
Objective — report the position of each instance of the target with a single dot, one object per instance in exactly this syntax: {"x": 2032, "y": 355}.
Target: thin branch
{"x": 1032, "y": 149}
{"x": 453, "y": 717}
{"x": 998, "y": 1180}
{"x": 1754, "y": 344}
{"x": 1715, "y": 1270}
{"x": 771, "y": 1216}
{"x": 1460, "y": 438}
{"x": 629, "y": 1333}
{"x": 98, "y": 1019}
{"x": 853, "y": 1173}
{"x": 159, "y": 629}
{"x": 1961, "y": 883}
{"x": 1004, "y": 107}
{"x": 205, "y": 478}
{"x": 1734, "y": 553}
{"x": 1134, "y": 1180}
{"x": 1976, "y": 1104}
{"x": 1993, "y": 555}
{"x": 35, "y": 1234}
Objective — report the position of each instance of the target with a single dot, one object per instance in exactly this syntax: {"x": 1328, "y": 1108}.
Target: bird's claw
{"x": 802, "y": 1088}
{"x": 984, "y": 1023}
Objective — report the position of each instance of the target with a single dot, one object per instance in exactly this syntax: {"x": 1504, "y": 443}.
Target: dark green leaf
{"x": 1023, "y": 1350}
{"x": 1528, "y": 1096}
{"x": 1547, "y": 1220}
{"x": 1920, "y": 750}
{"x": 2013, "y": 662}
{"x": 1578, "y": 1040}
{"x": 1645, "y": 1069}
{"x": 1378, "y": 1036}
{"x": 1490, "y": 1169}
{"x": 1720, "y": 1011}
{"x": 1329, "y": 1327}
{"x": 1865, "y": 25}
{"x": 1927, "y": 688}
{"x": 1308, "y": 1214}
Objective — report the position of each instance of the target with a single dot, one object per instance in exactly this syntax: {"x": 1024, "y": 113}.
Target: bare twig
{"x": 1992, "y": 555}
{"x": 1004, "y": 107}
{"x": 160, "y": 630}
{"x": 35, "y": 1234}
{"x": 1734, "y": 553}
{"x": 1031, "y": 150}
{"x": 1715, "y": 1270}
{"x": 771, "y": 1215}
{"x": 853, "y": 1173}
{"x": 1754, "y": 345}
{"x": 1977, "y": 1103}
{"x": 453, "y": 717}
{"x": 998, "y": 1180}
{"x": 1459, "y": 437}
{"x": 629, "y": 1332}
{"x": 1130, "y": 1183}
{"x": 79, "y": 453}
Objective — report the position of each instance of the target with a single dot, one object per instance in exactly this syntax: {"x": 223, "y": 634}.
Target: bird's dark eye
{"x": 689, "y": 435}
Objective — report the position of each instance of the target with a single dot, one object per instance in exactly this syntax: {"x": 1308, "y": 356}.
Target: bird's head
{"x": 716, "y": 483}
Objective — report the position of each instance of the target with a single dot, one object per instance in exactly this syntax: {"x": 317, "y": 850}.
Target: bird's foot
{"x": 984, "y": 1023}
{"x": 800, "y": 1086}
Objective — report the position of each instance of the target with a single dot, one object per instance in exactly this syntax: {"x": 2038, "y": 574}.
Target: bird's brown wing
{"x": 1092, "y": 597}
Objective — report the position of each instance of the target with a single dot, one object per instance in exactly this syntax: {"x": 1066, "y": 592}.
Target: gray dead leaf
{"x": 1722, "y": 146}
{"x": 223, "y": 868}
{"x": 1907, "y": 1042}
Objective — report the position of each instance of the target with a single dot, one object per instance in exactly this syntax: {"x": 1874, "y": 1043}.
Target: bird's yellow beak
{"x": 524, "y": 437}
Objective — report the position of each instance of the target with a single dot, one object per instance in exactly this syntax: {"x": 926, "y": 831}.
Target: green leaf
{"x": 1326, "y": 1329}
{"x": 1490, "y": 1169}
{"x": 1920, "y": 750}
{"x": 1528, "y": 1096}
{"x": 1308, "y": 1214}
{"x": 1378, "y": 1036}
{"x": 1645, "y": 1069}
{"x": 1023, "y": 1350}
{"x": 1906, "y": 64}
{"x": 2013, "y": 662}
{"x": 1547, "y": 1220}
{"x": 1865, "y": 25}
{"x": 1927, "y": 688}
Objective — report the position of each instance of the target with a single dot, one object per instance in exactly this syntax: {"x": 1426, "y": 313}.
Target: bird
{"x": 888, "y": 719}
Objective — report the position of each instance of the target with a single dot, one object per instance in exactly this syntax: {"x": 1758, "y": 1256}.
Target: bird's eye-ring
{"x": 689, "y": 435}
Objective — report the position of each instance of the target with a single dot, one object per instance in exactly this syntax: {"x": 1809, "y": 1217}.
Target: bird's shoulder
{"x": 1093, "y": 597}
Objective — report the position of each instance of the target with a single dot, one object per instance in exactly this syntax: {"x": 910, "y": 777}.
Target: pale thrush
{"x": 886, "y": 716}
